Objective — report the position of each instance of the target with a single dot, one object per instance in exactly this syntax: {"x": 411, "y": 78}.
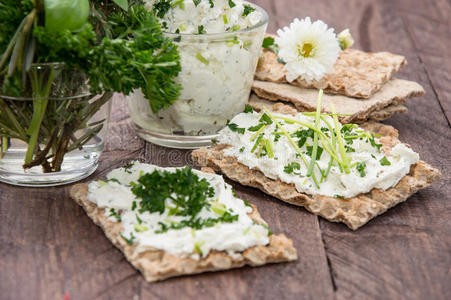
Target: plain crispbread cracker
{"x": 354, "y": 212}
{"x": 393, "y": 93}
{"x": 157, "y": 265}
{"x": 257, "y": 103}
{"x": 356, "y": 73}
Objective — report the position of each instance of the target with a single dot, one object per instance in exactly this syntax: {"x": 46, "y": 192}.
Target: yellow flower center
{"x": 306, "y": 50}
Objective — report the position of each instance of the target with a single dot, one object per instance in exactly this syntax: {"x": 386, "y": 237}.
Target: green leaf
{"x": 122, "y": 4}
{"x": 248, "y": 109}
{"x": 247, "y": 10}
{"x": 318, "y": 153}
{"x": 268, "y": 42}
{"x": 385, "y": 162}
{"x": 234, "y": 127}
{"x": 289, "y": 169}
{"x": 361, "y": 168}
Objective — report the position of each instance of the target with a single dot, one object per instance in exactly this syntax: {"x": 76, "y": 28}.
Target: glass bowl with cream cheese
{"x": 219, "y": 44}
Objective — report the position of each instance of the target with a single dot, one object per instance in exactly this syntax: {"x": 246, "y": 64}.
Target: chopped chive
{"x": 345, "y": 159}
{"x": 247, "y": 44}
{"x": 315, "y": 134}
{"x": 254, "y": 136}
{"x": 202, "y": 59}
{"x": 224, "y": 17}
{"x": 269, "y": 148}
{"x": 257, "y": 142}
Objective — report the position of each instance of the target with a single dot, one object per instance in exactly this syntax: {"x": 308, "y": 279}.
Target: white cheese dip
{"x": 377, "y": 169}
{"x": 219, "y": 49}
{"x": 116, "y": 197}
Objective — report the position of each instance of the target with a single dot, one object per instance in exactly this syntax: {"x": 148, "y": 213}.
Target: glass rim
{"x": 45, "y": 65}
{"x": 263, "y": 22}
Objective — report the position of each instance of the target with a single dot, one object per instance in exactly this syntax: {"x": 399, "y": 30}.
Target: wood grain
{"x": 49, "y": 247}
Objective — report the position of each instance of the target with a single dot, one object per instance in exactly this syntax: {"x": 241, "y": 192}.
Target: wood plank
{"x": 49, "y": 247}
{"x": 392, "y": 256}
{"x": 431, "y": 40}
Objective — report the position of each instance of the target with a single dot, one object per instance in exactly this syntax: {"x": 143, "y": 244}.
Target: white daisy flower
{"x": 309, "y": 50}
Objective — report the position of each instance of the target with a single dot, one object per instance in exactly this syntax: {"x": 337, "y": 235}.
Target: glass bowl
{"x": 217, "y": 75}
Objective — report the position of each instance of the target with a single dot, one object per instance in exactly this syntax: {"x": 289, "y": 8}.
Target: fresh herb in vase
{"x": 78, "y": 52}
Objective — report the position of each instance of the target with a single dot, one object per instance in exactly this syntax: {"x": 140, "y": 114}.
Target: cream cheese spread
{"x": 218, "y": 62}
{"x": 369, "y": 167}
{"x": 143, "y": 228}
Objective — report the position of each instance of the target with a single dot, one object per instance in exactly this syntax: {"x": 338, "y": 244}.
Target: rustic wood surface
{"x": 49, "y": 248}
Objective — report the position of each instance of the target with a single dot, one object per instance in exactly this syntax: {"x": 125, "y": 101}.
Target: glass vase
{"x": 52, "y": 129}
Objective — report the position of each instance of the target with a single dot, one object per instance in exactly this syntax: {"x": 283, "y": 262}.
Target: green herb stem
{"x": 315, "y": 134}
{"x": 345, "y": 159}
{"x": 304, "y": 160}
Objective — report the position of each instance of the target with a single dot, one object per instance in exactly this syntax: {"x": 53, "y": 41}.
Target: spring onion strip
{"x": 315, "y": 134}
{"x": 345, "y": 159}
{"x": 304, "y": 160}
{"x": 255, "y": 135}
{"x": 257, "y": 143}
{"x": 334, "y": 142}
{"x": 269, "y": 147}
{"x": 260, "y": 148}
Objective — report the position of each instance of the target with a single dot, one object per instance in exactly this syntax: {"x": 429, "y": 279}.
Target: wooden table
{"x": 49, "y": 247}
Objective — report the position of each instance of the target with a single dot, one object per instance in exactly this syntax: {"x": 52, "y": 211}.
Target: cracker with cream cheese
{"x": 355, "y": 211}
{"x": 157, "y": 264}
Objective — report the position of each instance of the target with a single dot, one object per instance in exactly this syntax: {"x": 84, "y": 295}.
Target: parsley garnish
{"x": 183, "y": 187}
{"x": 234, "y": 127}
{"x": 113, "y": 180}
{"x": 129, "y": 240}
{"x": 247, "y": 10}
{"x": 339, "y": 196}
{"x": 349, "y": 149}
{"x": 289, "y": 169}
{"x": 277, "y": 137}
{"x": 268, "y": 43}
{"x": 265, "y": 119}
{"x": 231, "y": 4}
{"x": 134, "y": 205}
{"x": 113, "y": 213}
{"x": 185, "y": 190}
{"x": 267, "y": 228}
{"x": 128, "y": 167}
{"x": 201, "y": 29}
{"x": 247, "y": 203}
{"x": 211, "y": 3}
{"x": 196, "y": 2}
{"x": 248, "y": 109}
{"x": 361, "y": 168}
{"x": 374, "y": 144}
{"x": 385, "y": 162}
{"x": 318, "y": 152}
{"x": 214, "y": 140}
{"x": 303, "y": 135}
{"x": 162, "y": 7}
{"x": 242, "y": 149}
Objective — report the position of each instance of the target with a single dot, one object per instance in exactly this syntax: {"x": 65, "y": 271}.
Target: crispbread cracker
{"x": 257, "y": 103}
{"x": 355, "y": 211}
{"x": 356, "y": 73}
{"x": 393, "y": 93}
{"x": 157, "y": 265}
